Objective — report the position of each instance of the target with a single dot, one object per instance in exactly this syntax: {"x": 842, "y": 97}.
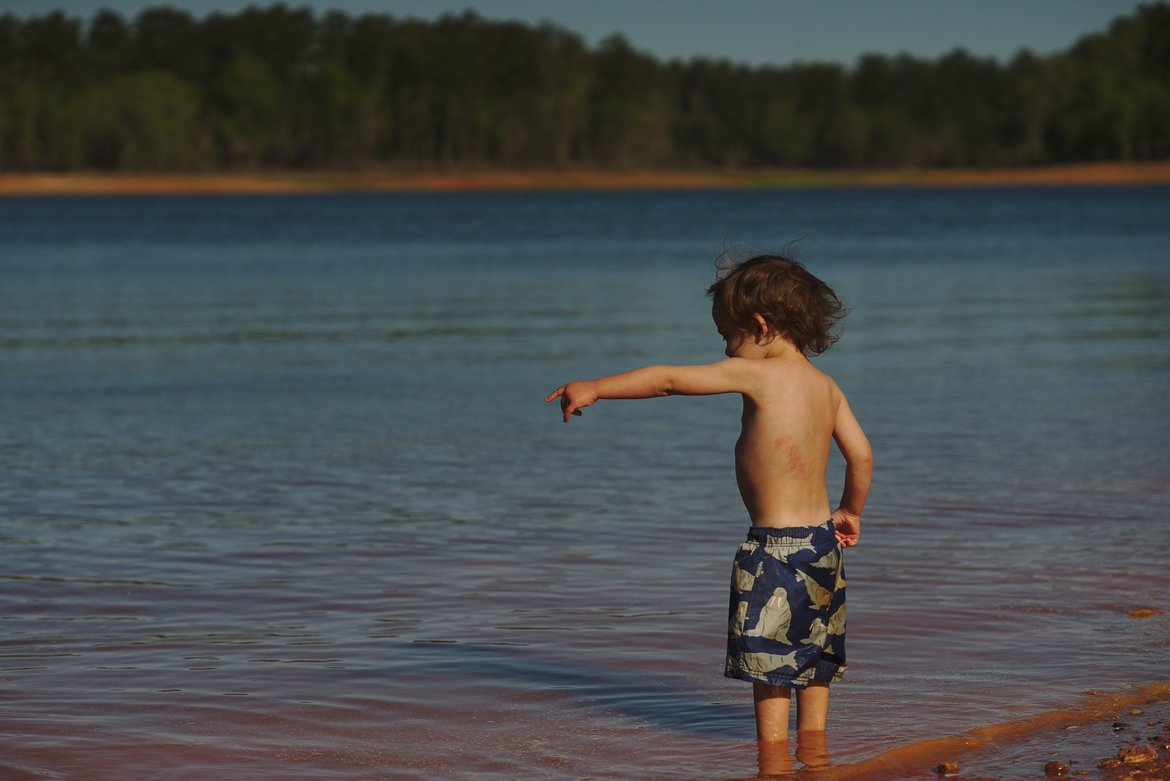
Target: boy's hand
{"x": 847, "y": 527}
{"x": 573, "y": 396}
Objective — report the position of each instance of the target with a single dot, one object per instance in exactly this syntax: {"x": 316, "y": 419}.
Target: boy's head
{"x": 795, "y": 305}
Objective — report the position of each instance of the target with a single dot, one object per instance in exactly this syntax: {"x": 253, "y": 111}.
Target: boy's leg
{"x": 772, "y": 705}
{"x": 775, "y": 759}
{"x": 812, "y": 750}
{"x": 812, "y": 707}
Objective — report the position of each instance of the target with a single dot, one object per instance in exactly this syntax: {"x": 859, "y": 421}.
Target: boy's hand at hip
{"x": 847, "y": 527}
{"x": 574, "y": 396}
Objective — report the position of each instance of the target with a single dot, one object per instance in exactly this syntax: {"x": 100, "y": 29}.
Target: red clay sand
{"x": 93, "y": 183}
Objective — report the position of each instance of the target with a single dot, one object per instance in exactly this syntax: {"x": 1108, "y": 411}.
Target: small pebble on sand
{"x": 1055, "y": 768}
{"x": 947, "y": 768}
{"x": 1137, "y": 754}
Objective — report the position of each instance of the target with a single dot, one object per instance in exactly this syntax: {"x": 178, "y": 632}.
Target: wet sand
{"x": 1105, "y": 737}
{"x": 95, "y": 183}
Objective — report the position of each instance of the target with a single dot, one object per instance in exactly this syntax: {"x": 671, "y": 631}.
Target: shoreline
{"x": 276, "y": 182}
{"x": 1123, "y": 736}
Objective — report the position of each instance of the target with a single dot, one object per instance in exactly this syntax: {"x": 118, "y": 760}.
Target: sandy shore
{"x": 91, "y": 183}
{"x": 1119, "y": 737}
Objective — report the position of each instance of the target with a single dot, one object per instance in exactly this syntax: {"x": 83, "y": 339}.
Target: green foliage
{"x": 280, "y": 87}
{"x": 245, "y": 103}
{"x": 140, "y": 121}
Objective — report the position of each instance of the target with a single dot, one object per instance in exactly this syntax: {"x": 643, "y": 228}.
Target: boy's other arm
{"x": 733, "y": 375}
{"x": 854, "y": 446}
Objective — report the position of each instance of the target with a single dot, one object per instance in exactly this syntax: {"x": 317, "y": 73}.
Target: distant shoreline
{"x": 92, "y": 183}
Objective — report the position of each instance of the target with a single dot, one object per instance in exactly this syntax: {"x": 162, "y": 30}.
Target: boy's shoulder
{"x": 780, "y": 373}
{"x": 795, "y": 367}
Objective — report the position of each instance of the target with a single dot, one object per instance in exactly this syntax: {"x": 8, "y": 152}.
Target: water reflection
{"x": 808, "y": 759}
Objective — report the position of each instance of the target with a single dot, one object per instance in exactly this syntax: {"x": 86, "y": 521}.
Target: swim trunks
{"x": 787, "y": 611}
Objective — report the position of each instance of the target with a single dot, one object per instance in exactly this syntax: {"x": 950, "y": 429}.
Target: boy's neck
{"x": 781, "y": 348}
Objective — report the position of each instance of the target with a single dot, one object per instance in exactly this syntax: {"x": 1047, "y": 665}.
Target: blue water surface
{"x": 282, "y": 495}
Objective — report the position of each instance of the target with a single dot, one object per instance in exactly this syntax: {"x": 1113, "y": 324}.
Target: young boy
{"x": 786, "y": 628}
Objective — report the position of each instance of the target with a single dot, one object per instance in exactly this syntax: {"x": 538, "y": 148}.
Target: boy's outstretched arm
{"x": 858, "y": 474}
{"x": 732, "y": 375}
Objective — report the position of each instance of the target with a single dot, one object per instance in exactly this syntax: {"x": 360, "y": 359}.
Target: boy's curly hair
{"x": 793, "y": 302}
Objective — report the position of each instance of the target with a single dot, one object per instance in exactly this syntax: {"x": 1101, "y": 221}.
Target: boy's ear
{"x": 763, "y": 331}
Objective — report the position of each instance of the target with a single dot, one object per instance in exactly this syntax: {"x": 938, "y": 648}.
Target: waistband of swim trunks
{"x": 765, "y": 533}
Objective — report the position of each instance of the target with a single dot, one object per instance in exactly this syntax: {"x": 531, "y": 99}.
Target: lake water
{"x": 282, "y": 499}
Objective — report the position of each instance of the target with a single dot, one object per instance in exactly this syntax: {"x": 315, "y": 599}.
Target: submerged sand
{"x": 1114, "y": 737}
{"x": 95, "y": 183}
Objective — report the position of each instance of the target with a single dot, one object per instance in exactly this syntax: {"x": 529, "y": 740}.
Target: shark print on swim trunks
{"x": 786, "y": 624}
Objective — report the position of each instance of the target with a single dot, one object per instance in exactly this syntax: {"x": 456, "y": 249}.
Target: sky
{"x": 756, "y": 32}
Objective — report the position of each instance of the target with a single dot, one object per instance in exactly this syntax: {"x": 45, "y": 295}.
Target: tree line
{"x": 279, "y": 87}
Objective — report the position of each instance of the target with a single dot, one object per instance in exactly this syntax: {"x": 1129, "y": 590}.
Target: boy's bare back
{"x": 783, "y": 447}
